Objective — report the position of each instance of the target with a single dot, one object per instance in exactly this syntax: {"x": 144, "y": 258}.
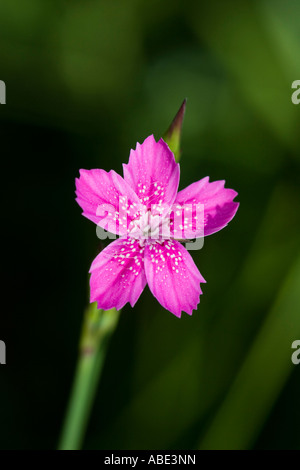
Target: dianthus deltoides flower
{"x": 150, "y": 216}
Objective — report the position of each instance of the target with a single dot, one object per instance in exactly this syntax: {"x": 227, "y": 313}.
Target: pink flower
{"x": 146, "y": 211}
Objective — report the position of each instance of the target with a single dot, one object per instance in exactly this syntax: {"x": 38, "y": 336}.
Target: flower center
{"x": 150, "y": 227}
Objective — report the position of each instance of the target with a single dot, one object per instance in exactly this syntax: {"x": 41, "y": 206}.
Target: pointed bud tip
{"x": 176, "y": 124}
{"x": 173, "y": 134}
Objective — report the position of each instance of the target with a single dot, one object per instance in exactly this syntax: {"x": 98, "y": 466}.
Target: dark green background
{"x": 85, "y": 81}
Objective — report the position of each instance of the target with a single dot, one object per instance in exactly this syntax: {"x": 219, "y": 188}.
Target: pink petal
{"x": 118, "y": 275}
{"x": 153, "y": 173}
{"x": 106, "y": 199}
{"x": 173, "y": 277}
{"x": 218, "y": 206}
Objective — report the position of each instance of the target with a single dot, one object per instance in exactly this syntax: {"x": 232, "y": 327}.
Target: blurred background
{"x": 85, "y": 81}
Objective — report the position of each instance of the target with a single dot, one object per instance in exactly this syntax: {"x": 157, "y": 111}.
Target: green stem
{"x": 97, "y": 329}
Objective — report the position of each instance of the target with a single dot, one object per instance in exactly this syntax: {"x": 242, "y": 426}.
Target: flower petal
{"x": 218, "y": 206}
{"x": 153, "y": 173}
{"x": 173, "y": 277}
{"x": 118, "y": 275}
{"x": 106, "y": 199}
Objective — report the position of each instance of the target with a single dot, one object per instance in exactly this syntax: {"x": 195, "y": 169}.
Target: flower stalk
{"x": 98, "y": 326}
